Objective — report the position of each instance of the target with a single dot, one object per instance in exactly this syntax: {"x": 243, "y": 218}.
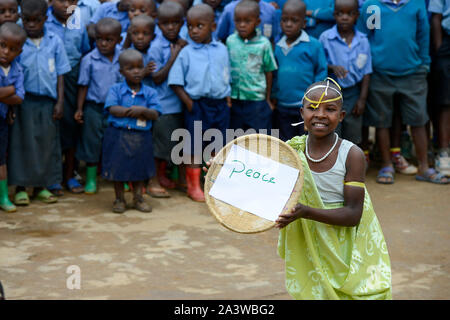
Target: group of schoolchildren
{"x": 107, "y": 83}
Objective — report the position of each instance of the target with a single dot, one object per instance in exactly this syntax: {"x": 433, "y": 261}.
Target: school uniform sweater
{"x": 400, "y": 46}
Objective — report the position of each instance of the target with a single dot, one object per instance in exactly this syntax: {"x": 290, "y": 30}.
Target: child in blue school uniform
{"x": 163, "y": 52}
{"x": 114, "y": 9}
{"x": 9, "y": 11}
{"x": 12, "y": 38}
{"x": 301, "y": 61}
{"x": 350, "y": 62}
{"x": 137, "y": 8}
{"x": 34, "y": 146}
{"x": 207, "y": 99}
{"x": 269, "y": 25}
{"x": 320, "y": 16}
{"x": 141, "y": 33}
{"x": 127, "y": 145}
{"x": 400, "y": 62}
{"x": 76, "y": 42}
{"x": 99, "y": 70}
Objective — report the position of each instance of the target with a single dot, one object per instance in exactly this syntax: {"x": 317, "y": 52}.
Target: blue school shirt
{"x": 120, "y": 94}
{"x": 203, "y": 70}
{"x": 269, "y": 26}
{"x": 356, "y": 59}
{"x": 14, "y": 78}
{"x": 76, "y": 40}
{"x": 109, "y": 10}
{"x": 299, "y": 65}
{"x": 87, "y": 9}
{"x": 442, "y": 7}
{"x": 322, "y": 16}
{"x": 41, "y": 66}
{"x": 160, "y": 53}
{"x": 99, "y": 74}
{"x": 401, "y": 45}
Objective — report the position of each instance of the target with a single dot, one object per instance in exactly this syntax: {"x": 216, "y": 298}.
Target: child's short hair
{"x": 203, "y": 9}
{"x": 14, "y": 29}
{"x": 355, "y": 2}
{"x": 129, "y": 55}
{"x": 297, "y": 5}
{"x": 170, "y": 9}
{"x": 250, "y": 5}
{"x": 33, "y": 6}
{"x": 150, "y": 3}
{"x": 144, "y": 19}
{"x": 111, "y": 23}
{"x": 184, "y": 3}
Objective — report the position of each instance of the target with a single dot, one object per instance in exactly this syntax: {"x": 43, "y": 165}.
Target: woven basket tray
{"x": 237, "y": 219}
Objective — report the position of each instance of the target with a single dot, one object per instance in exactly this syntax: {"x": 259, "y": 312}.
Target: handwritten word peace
{"x": 251, "y": 173}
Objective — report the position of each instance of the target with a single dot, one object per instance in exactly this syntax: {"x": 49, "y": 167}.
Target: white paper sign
{"x": 254, "y": 183}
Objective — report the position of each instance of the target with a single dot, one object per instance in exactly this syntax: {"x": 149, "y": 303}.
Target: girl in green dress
{"x": 331, "y": 241}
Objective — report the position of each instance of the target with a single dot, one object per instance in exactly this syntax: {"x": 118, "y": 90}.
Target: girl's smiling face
{"x": 324, "y": 119}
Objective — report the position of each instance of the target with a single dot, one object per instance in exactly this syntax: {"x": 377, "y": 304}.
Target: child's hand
{"x": 229, "y": 103}
{"x": 58, "y": 111}
{"x": 11, "y": 116}
{"x": 339, "y": 71}
{"x": 297, "y": 212}
{"x": 190, "y": 105}
{"x": 149, "y": 68}
{"x": 271, "y": 105}
{"x": 208, "y": 164}
{"x": 78, "y": 116}
{"x": 275, "y": 5}
{"x": 136, "y": 111}
{"x": 359, "y": 107}
{"x": 182, "y": 43}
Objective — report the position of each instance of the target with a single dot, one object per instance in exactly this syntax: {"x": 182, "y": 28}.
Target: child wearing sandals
{"x": 34, "y": 157}
{"x": 399, "y": 80}
{"x": 127, "y": 144}
{"x": 332, "y": 242}
{"x": 12, "y": 38}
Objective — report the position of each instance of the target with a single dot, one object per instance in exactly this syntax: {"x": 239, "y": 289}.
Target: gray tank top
{"x": 330, "y": 184}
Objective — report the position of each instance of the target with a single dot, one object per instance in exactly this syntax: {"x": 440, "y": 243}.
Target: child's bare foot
{"x": 156, "y": 190}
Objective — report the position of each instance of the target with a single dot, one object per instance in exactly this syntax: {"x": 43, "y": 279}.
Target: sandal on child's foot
{"x": 21, "y": 198}
{"x": 140, "y": 205}
{"x": 386, "y": 175}
{"x": 431, "y": 175}
{"x": 56, "y": 189}
{"x": 119, "y": 206}
{"x": 74, "y": 186}
{"x": 45, "y": 196}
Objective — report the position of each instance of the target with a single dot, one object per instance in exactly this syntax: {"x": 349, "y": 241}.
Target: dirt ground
{"x": 179, "y": 251}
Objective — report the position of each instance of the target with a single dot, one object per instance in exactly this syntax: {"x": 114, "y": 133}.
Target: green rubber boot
{"x": 5, "y": 204}
{"x": 90, "y": 186}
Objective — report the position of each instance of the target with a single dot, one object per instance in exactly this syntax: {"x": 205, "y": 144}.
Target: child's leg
{"x": 400, "y": 163}
{"x": 5, "y": 203}
{"x": 138, "y": 199}
{"x": 69, "y": 178}
{"x": 119, "y": 205}
{"x": 155, "y": 187}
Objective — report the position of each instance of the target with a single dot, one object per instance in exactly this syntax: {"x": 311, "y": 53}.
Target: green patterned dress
{"x": 333, "y": 262}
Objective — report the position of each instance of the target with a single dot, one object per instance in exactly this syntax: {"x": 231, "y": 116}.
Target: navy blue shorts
{"x": 351, "y": 127}
{"x": 283, "y": 117}
{"x": 89, "y": 148}
{"x": 213, "y": 114}
{"x": 3, "y": 140}
{"x": 247, "y": 114}
{"x": 127, "y": 155}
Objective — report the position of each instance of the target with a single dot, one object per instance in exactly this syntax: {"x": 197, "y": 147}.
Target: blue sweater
{"x": 401, "y": 45}
{"x": 322, "y": 16}
{"x": 298, "y": 67}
